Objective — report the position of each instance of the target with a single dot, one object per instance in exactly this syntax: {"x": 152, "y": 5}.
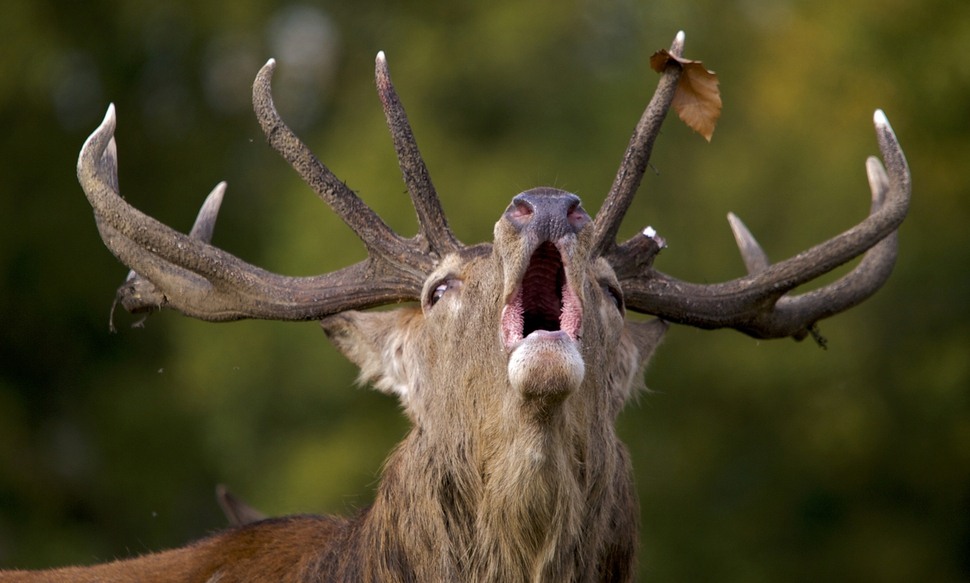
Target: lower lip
{"x": 548, "y": 335}
{"x": 542, "y": 336}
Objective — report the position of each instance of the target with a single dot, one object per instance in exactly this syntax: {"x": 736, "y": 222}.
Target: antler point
{"x": 754, "y": 257}
{"x": 382, "y": 73}
{"x": 205, "y": 222}
{"x": 102, "y": 140}
{"x": 737, "y": 225}
{"x": 107, "y": 124}
{"x": 651, "y": 233}
{"x": 267, "y": 69}
{"x": 878, "y": 179}
{"x": 882, "y": 124}
{"x": 677, "y": 48}
{"x": 880, "y": 119}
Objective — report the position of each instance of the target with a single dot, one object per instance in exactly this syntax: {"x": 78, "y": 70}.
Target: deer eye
{"x": 439, "y": 290}
{"x": 614, "y": 294}
{"x": 437, "y": 293}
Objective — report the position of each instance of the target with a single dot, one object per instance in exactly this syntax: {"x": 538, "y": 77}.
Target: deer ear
{"x": 379, "y": 344}
{"x": 637, "y": 344}
{"x": 646, "y": 337}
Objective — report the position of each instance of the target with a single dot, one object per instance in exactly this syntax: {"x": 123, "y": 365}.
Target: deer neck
{"x": 525, "y": 494}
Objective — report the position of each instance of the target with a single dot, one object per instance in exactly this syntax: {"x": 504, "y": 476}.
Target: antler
{"x": 185, "y": 272}
{"x": 637, "y": 156}
{"x": 756, "y": 304}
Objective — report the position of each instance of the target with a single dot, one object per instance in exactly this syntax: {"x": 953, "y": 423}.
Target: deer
{"x": 511, "y": 359}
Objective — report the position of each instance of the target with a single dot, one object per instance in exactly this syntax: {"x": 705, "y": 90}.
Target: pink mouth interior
{"x": 544, "y": 300}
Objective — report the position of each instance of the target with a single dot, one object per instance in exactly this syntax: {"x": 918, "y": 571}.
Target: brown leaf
{"x": 659, "y": 60}
{"x": 697, "y": 99}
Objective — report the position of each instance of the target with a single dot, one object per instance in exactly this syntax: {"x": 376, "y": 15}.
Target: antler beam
{"x": 637, "y": 156}
{"x": 757, "y": 304}
{"x": 186, "y": 273}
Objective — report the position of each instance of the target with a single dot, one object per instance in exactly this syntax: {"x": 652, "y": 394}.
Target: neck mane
{"x": 517, "y": 500}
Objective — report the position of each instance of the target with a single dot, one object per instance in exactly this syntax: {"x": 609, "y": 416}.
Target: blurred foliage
{"x": 756, "y": 461}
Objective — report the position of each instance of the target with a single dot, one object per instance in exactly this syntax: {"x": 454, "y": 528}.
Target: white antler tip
{"x": 381, "y": 57}
{"x": 677, "y": 48}
{"x": 107, "y": 126}
{"x": 651, "y": 233}
{"x": 271, "y": 63}
{"x": 109, "y": 121}
{"x": 879, "y": 118}
{"x": 882, "y": 125}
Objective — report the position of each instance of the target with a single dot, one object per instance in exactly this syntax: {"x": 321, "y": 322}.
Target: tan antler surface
{"x": 186, "y": 273}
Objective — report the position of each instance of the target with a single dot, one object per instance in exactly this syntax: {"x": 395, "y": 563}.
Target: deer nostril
{"x": 521, "y": 208}
{"x": 577, "y": 216}
{"x": 520, "y": 212}
{"x": 547, "y": 213}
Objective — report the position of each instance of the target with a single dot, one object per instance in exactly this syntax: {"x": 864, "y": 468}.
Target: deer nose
{"x": 547, "y": 213}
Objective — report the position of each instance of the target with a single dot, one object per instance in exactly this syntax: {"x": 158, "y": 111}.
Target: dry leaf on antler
{"x": 697, "y": 99}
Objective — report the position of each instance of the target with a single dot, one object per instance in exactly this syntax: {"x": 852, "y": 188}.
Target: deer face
{"x": 522, "y": 329}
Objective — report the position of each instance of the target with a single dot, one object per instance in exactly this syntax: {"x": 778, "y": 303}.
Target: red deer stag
{"x": 512, "y": 365}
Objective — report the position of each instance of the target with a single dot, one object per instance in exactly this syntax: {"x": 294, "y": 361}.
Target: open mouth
{"x": 544, "y": 300}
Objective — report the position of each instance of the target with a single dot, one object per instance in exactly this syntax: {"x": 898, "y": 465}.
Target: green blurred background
{"x": 755, "y": 461}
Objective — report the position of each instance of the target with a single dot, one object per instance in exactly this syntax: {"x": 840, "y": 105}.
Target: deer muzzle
{"x": 541, "y": 322}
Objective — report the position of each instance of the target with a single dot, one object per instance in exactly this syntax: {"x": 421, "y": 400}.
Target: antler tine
{"x": 791, "y": 313}
{"x": 755, "y": 304}
{"x": 637, "y": 156}
{"x": 205, "y": 282}
{"x": 754, "y": 257}
{"x": 379, "y": 239}
{"x": 137, "y": 294}
{"x": 431, "y": 218}
{"x": 205, "y": 222}
{"x": 877, "y": 264}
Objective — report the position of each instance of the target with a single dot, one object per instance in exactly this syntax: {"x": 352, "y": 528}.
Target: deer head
{"x": 514, "y": 358}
